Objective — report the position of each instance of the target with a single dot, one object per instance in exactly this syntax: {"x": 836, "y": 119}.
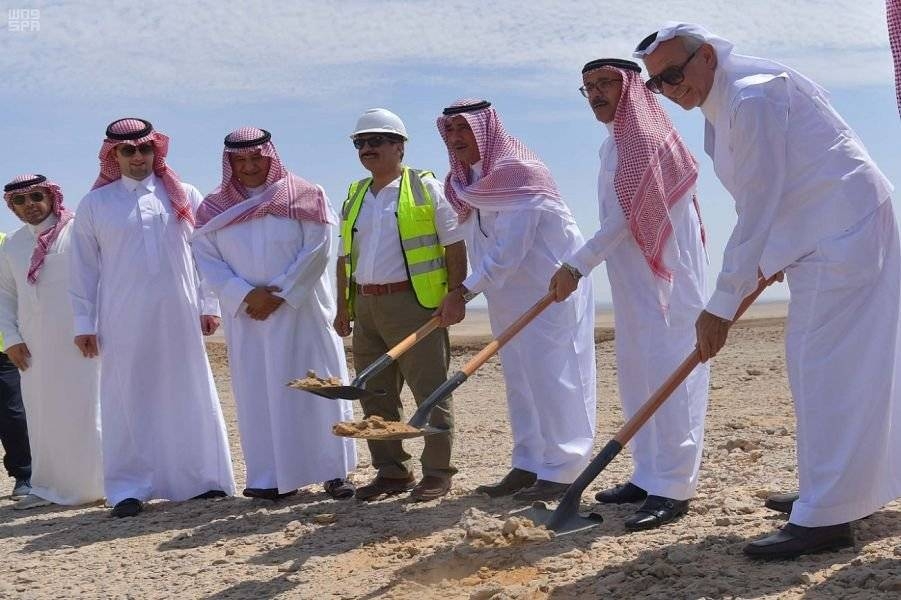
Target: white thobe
{"x": 650, "y": 345}
{"x": 811, "y": 202}
{"x": 549, "y": 367}
{"x": 285, "y": 433}
{"x": 60, "y": 386}
{"x": 134, "y": 284}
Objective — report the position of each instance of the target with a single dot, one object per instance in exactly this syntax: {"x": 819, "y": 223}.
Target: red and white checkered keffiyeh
{"x": 109, "y": 168}
{"x": 655, "y": 168}
{"x": 893, "y": 16}
{"x": 48, "y": 236}
{"x": 285, "y": 195}
{"x": 512, "y": 175}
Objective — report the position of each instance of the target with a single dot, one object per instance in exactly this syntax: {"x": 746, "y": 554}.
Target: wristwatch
{"x": 467, "y": 295}
{"x": 572, "y": 271}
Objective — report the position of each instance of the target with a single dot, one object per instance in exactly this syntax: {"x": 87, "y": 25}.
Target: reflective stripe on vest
{"x": 422, "y": 250}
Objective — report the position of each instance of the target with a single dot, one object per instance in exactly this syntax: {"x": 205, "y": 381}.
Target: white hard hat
{"x": 380, "y": 120}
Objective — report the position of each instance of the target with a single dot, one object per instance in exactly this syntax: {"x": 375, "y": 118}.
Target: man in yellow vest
{"x": 401, "y": 250}
{"x": 13, "y": 429}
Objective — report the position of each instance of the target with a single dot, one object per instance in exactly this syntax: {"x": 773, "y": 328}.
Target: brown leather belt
{"x": 380, "y": 289}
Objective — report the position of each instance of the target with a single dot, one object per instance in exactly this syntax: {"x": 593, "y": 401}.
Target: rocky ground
{"x": 465, "y": 545}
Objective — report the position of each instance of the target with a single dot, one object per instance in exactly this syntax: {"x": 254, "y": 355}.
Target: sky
{"x": 305, "y": 70}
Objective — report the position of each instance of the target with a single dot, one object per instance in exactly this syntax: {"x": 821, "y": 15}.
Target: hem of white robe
{"x": 64, "y": 500}
{"x": 673, "y": 490}
{"x": 807, "y": 515}
{"x": 562, "y": 473}
{"x": 113, "y": 499}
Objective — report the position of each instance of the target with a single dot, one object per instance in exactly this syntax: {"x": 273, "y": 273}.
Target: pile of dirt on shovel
{"x": 373, "y": 428}
{"x": 314, "y": 381}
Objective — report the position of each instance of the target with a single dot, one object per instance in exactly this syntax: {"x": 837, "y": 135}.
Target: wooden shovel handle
{"x": 497, "y": 343}
{"x": 631, "y": 427}
{"x": 414, "y": 338}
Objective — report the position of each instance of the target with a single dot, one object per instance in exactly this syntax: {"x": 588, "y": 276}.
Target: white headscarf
{"x": 738, "y": 64}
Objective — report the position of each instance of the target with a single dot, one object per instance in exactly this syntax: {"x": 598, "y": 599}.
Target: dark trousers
{"x": 13, "y": 430}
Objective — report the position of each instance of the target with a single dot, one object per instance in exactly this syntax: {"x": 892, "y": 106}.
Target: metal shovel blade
{"x": 340, "y": 392}
{"x": 564, "y": 523}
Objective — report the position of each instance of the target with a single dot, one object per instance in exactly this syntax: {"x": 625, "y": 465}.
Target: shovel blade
{"x": 561, "y": 522}
{"x": 341, "y": 392}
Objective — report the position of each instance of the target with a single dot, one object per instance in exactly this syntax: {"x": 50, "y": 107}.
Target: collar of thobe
{"x": 44, "y": 225}
{"x": 132, "y": 185}
{"x": 476, "y": 170}
{"x": 395, "y": 183}
{"x": 713, "y": 101}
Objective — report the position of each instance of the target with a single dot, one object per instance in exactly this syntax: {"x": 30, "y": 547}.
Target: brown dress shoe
{"x": 384, "y": 486}
{"x": 794, "y": 540}
{"x": 430, "y": 487}
{"x": 512, "y": 482}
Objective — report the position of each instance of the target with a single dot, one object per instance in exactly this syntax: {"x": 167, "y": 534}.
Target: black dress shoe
{"x": 794, "y": 540}
{"x": 781, "y": 502}
{"x": 129, "y": 507}
{"x": 384, "y": 486}
{"x": 621, "y": 494}
{"x": 542, "y": 490}
{"x": 656, "y": 511}
{"x": 512, "y": 482}
{"x": 339, "y": 489}
{"x": 266, "y": 493}
{"x": 210, "y": 494}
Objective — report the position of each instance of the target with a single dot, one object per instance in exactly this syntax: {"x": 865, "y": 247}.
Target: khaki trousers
{"x": 380, "y": 323}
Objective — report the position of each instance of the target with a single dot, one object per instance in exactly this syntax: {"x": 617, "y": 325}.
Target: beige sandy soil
{"x": 311, "y": 547}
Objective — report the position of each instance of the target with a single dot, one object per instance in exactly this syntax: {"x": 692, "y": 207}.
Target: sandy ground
{"x": 309, "y": 546}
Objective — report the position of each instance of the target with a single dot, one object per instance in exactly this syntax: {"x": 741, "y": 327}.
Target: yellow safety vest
{"x": 423, "y": 252}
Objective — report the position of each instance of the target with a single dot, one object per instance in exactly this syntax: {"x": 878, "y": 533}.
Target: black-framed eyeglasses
{"x": 602, "y": 85}
{"x": 129, "y": 149}
{"x": 673, "y": 75}
{"x": 374, "y": 141}
{"x": 20, "y": 199}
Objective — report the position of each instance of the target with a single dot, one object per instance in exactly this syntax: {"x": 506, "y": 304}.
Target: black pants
{"x": 13, "y": 430}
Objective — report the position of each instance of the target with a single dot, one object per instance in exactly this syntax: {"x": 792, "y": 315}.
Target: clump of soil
{"x": 313, "y": 381}
{"x": 483, "y": 529}
{"x": 373, "y": 428}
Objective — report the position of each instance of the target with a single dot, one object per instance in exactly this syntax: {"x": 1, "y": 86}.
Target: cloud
{"x": 211, "y": 52}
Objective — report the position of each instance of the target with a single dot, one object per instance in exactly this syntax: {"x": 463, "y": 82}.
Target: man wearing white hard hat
{"x": 401, "y": 250}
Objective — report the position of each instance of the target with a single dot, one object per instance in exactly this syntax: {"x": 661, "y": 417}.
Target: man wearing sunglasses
{"x": 262, "y": 244}
{"x": 652, "y": 241}
{"x": 811, "y": 203}
{"x": 59, "y": 385}
{"x": 138, "y": 304}
{"x": 401, "y": 250}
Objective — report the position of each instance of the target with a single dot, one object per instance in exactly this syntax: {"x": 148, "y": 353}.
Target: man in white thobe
{"x": 138, "y": 305}
{"x": 520, "y": 231}
{"x": 262, "y": 244}
{"x": 811, "y": 203}
{"x": 59, "y": 385}
{"x": 651, "y": 238}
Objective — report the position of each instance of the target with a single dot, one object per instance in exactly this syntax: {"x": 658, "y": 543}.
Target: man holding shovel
{"x": 520, "y": 231}
{"x": 651, "y": 237}
{"x": 401, "y": 249}
{"x": 811, "y": 203}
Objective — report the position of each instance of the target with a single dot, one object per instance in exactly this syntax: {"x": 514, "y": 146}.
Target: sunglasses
{"x": 20, "y": 199}
{"x": 671, "y": 75}
{"x": 129, "y": 150}
{"x": 374, "y": 141}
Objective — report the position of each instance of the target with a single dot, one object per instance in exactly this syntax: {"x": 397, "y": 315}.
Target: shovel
{"x": 355, "y": 390}
{"x": 566, "y": 517}
{"x": 416, "y": 426}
